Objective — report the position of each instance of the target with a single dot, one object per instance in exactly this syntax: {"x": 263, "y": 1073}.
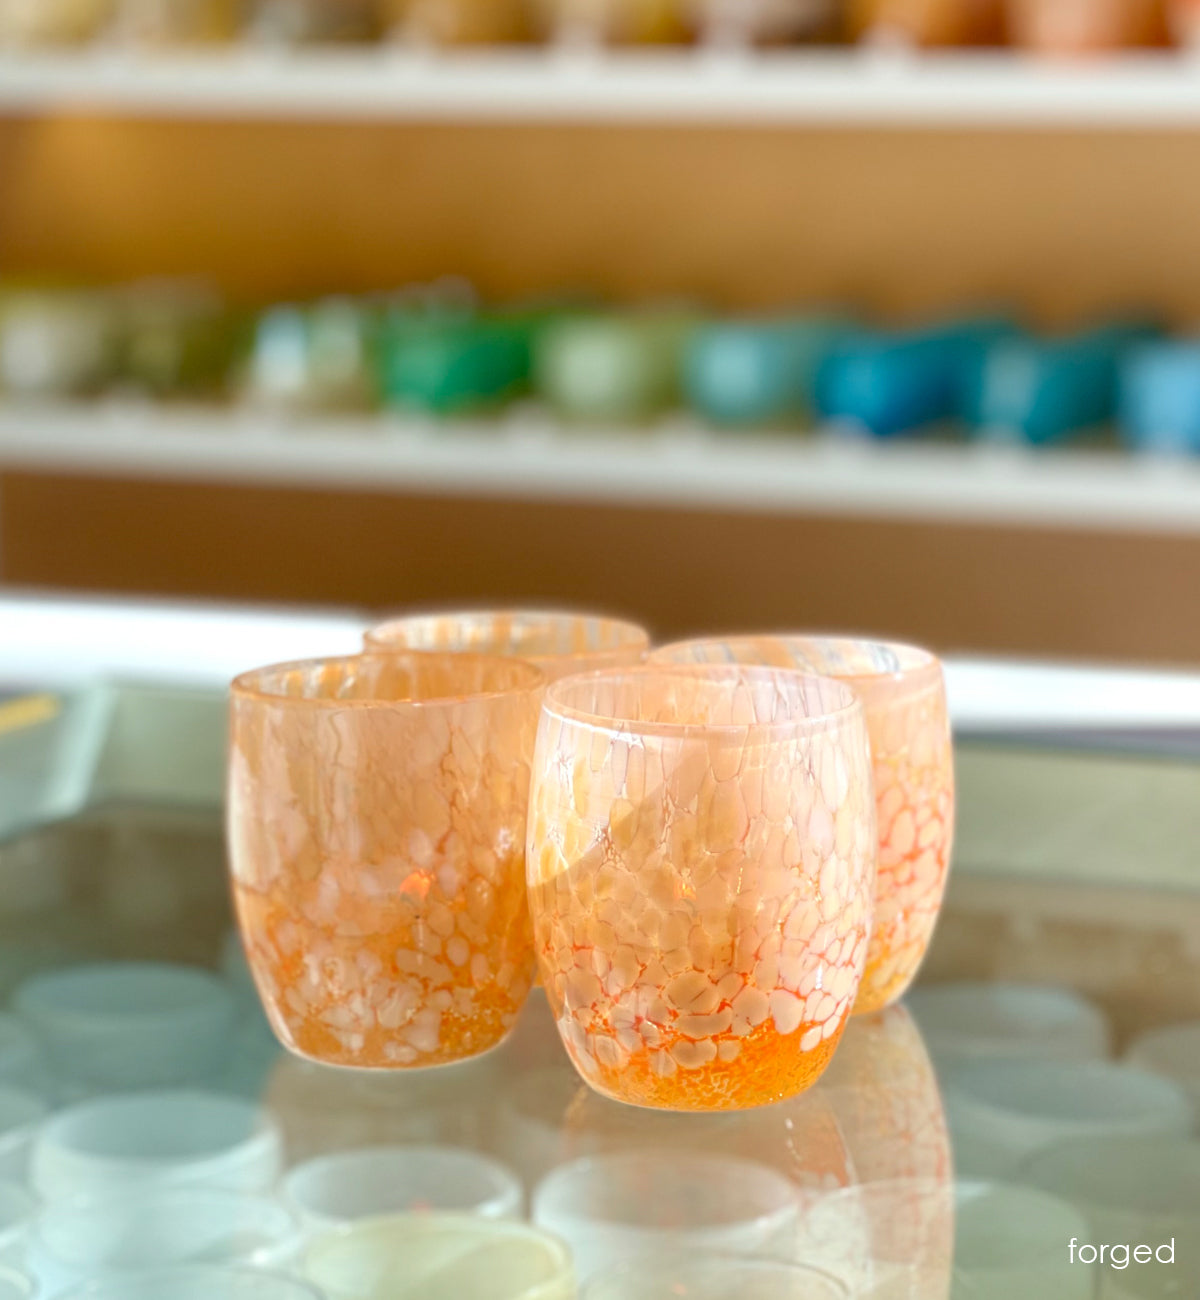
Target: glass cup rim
{"x": 795, "y": 1268}
{"x": 554, "y": 703}
{"x": 251, "y": 686}
{"x": 919, "y": 667}
{"x": 631, "y": 635}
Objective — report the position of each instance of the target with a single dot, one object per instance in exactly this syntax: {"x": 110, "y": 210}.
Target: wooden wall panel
{"x": 1065, "y": 223}
{"x": 960, "y": 588}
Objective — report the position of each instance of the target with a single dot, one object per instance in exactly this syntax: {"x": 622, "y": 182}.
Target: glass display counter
{"x": 1030, "y": 1107}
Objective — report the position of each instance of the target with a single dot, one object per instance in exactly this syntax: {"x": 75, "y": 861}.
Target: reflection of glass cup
{"x": 439, "y": 1257}
{"x": 1131, "y": 1189}
{"x": 198, "y": 1284}
{"x": 1013, "y": 1242}
{"x": 655, "y": 1205}
{"x": 903, "y": 693}
{"x": 129, "y": 1024}
{"x": 893, "y": 1238}
{"x": 377, "y": 843}
{"x": 701, "y": 859}
{"x": 979, "y": 1020}
{"x": 1002, "y": 1112}
{"x": 151, "y": 1141}
{"x": 98, "y": 1238}
{"x": 716, "y": 1277}
{"x": 559, "y": 644}
{"x": 884, "y": 1093}
{"x": 352, "y": 1185}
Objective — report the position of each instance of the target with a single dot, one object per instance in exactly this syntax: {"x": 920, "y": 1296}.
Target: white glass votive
{"x": 893, "y": 1238}
{"x": 440, "y": 1257}
{"x": 372, "y": 1182}
{"x": 91, "y": 1238}
{"x": 21, "y": 1115}
{"x": 1001, "y": 1112}
{"x": 716, "y": 1277}
{"x": 154, "y": 1140}
{"x": 198, "y": 1284}
{"x": 1173, "y": 1052}
{"x": 1135, "y": 1190}
{"x": 1013, "y": 1241}
{"x": 17, "y": 1208}
{"x": 638, "y": 1206}
{"x": 123, "y": 1025}
{"x": 971, "y": 1020}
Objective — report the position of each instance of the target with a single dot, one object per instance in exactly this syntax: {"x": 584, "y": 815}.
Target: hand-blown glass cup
{"x": 559, "y": 644}
{"x": 701, "y": 865}
{"x": 377, "y": 843}
{"x": 904, "y": 694}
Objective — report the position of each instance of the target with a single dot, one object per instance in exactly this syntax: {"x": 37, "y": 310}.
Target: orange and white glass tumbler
{"x": 377, "y": 819}
{"x": 558, "y": 643}
{"x": 702, "y": 868}
{"x": 903, "y": 691}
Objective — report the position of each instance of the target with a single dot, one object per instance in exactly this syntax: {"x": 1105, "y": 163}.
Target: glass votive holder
{"x": 716, "y": 1277}
{"x": 377, "y": 1181}
{"x": 971, "y": 1020}
{"x": 1002, "y": 1112}
{"x": 151, "y": 1141}
{"x": 1014, "y": 1241}
{"x": 376, "y": 819}
{"x": 119, "y": 1025}
{"x": 53, "y": 22}
{"x": 17, "y": 1208}
{"x": 1172, "y": 1051}
{"x": 893, "y": 1239}
{"x": 21, "y": 1117}
{"x": 1160, "y": 395}
{"x": 114, "y": 1237}
{"x": 1083, "y": 27}
{"x": 440, "y": 1257}
{"x": 661, "y": 1204}
{"x": 303, "y": 22}
{"x": 736, "y": 23}
{"x": 560, "y": 644}
{"x": 1134, "y": 1190}
{"x": 178, "y": 22}
{"x": 619, "y": 22}
{"x": 702, "y": 861}
{"x": 198, "y": 1284}
{"x": 903, "y": 694}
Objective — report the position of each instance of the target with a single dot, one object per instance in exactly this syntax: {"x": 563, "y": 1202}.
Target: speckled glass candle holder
{"x": 903, "y": 692}
{"x": 557, "y": 643}
{"x": 701, "y": 865}
{"x": 376, "y": 811}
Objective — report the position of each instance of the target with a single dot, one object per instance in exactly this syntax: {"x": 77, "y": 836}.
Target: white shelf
{"x": 678, "y": 467}
{"x": 815, "y": 88}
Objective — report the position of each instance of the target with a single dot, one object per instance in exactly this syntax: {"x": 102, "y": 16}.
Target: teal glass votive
{"x": 615, "y": 368}
{"x": 758, "y": 373}
{"x": 1159, "y": 401}
{"x": 316, "y": 358}
{"x": 894, "y": 383}
{"x": 1043, "y": 391}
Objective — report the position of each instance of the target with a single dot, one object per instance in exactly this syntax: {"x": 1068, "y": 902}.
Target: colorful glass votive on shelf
{"x": 53, "y": 22}
{"x": 300, "y": 22}
{"x": 619, "y": 22}
{"x": 766, "y": 22}
{"x": 461, "y": 22}
{"x": 903, "y": 692}
{"x": 927, "y": 22}
{"x": 1043, "y": 391}
{"x": 449, "y": 362}
{"x": 757, "y": 372}
{"x": 1160, "y": 397}
{"x": 1086, "y": 26}
{"x": 612, "y": 368}
{"x": 377, "y": 843}
{"x": 171, "y": 22}
{"x": 701, "y": 864}
{"x": 432, "y": 1256}
{"x": 560, "y": 644}
{"x": 894, "y": 383}
{"x": 313, "y": 359}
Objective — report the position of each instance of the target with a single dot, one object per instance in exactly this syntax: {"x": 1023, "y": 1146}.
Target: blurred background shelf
{"x": 810, "y": 88}
{"x": 678, "y": 466}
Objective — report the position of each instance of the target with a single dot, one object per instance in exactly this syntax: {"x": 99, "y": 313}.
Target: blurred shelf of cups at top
{"x": 800, "y": 88}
